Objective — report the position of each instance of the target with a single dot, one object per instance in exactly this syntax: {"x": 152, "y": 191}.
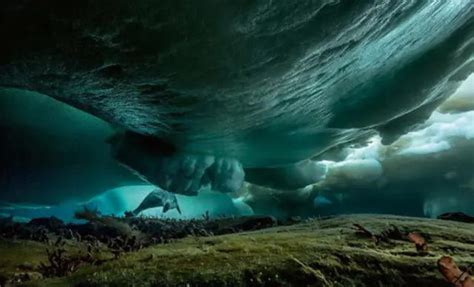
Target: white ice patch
{"x": 361, "y": 165}
{"x": 435, "y": 137}
{"x": 439, "y": 133}
{"x": 425, "y": 148}
{"x": 373, "y": 150}
{"x": 358, "y": 169}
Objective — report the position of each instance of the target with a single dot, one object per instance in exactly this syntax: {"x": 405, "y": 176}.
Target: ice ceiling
{"x": 301, "y": 108}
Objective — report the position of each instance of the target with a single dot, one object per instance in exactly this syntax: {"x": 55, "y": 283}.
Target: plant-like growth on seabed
{"x": 114, "y": 225}
{"x": 60, "y": 264}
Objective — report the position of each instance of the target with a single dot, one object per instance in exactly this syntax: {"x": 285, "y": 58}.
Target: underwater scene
{"x": 237, "y": 143}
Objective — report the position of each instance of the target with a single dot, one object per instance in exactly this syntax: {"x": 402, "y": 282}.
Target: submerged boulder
{"x": 457, "y": 216}
{"x": 52, "y": 223}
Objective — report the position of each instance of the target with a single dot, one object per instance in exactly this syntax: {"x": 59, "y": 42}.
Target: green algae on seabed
{"x": 324, "y": 252}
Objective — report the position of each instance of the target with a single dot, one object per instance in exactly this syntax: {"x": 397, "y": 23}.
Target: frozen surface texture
{"x": 264, "y": 83}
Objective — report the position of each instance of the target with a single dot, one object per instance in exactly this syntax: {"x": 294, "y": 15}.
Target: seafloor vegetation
{"x": 355, "y": 250}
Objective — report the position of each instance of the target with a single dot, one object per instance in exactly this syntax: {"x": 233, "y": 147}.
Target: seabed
{"x": 316, "y": 252}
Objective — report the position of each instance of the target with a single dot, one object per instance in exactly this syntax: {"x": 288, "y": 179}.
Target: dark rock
{"x": 457, "y": 216}
{"x": 245, "y": 224}
{"x": 3, "y": 279}
{"x": 6, "y": 221}
{"x": 294, "y": 220}
{"x": 26, "y": 266}
{"x": 52, "y": 223}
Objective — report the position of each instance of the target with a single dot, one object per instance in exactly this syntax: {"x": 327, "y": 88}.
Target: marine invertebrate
{"x": 420, "y": 242}
{"x": 447, "y": 266}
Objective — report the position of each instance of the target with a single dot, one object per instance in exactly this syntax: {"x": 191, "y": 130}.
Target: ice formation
{"x": 211, "y": 94}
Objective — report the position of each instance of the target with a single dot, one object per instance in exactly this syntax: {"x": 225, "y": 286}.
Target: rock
{"x": 26, "y": 266}
{"x": 6, "y": 221}
{"x": 245, "y": 223}
{"x": 294, "y": 219}
{"x": 52, "y": 223}
{"x": 27, "y": 276}
{"x": 457, "y": 216}
{"x": 3, "y": 279}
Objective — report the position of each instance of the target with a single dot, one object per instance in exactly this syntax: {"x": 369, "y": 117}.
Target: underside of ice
{"x": 177, "y": 172}
{"x": 329, "y": 99}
